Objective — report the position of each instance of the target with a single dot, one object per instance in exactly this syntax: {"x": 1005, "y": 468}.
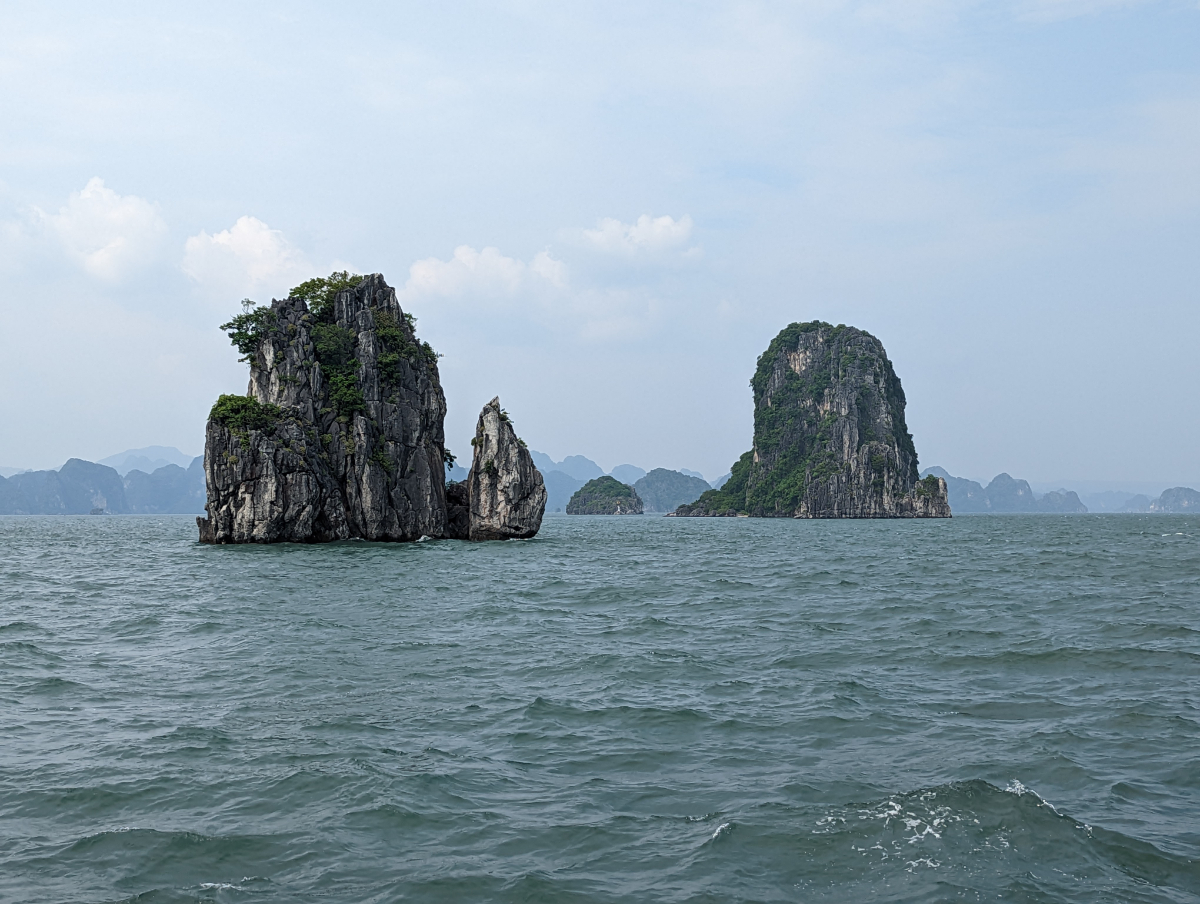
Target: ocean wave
{"x": 974, "y": 834}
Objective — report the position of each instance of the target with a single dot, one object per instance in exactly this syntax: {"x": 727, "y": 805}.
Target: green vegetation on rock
{"x": 334, "y": 346}
{"x": 320, "y": 292}
{"x": 730, "y": 499}
{"x": 247, "y": 329}
{"x": 829, "y": 435}
{"x": 605, "y": 496}
{"x": 242, "y": 414}
{"x": 399, "y": 342}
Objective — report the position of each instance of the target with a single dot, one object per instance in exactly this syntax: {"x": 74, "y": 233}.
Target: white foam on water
{"x": 1015, "y": 787}
{"x": 924, "y": 861}
{"x": 723, "y": 829}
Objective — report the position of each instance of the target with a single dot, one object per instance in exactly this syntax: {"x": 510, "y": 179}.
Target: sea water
{"x": 622, "y": 709}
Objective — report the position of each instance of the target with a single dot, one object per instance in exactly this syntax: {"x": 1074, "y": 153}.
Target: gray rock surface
{"x": 830, "y": 439}
{"x": 507, "y": 496}
{"x": 342, "y": 431}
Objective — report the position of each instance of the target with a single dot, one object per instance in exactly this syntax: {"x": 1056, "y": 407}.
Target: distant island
{"x": 82, "y": 487}
{"x": 1009, "y": 495}
{"x": 664, "y": 491}
{"x": 564, "y": 478}
{"x": 605, "y": 496}
{"x": 1005, "y": 495}
{"x": 1177, "y": 501}
{"x": 830, "y": 440}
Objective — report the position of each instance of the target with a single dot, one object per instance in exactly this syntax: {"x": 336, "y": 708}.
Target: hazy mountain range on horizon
{"x": 162, "y": 480}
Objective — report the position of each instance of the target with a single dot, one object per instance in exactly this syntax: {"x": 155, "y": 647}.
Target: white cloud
{"x": 250, "y": 259}
{"x": 648, "y": 234}
{"x": 109, "y": 235}
{"x": 486, "y": 273}
{"x": 504, "y": 294}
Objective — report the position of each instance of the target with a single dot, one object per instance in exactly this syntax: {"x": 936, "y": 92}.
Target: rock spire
{"x": 505, "y": 493}
{"x": 830, "y": 440}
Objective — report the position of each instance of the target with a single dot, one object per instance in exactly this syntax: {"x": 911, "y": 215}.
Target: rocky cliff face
{"x": 830, "y": 440}
{"x": 340, "y": 434}
{"x": 505, "y": 491}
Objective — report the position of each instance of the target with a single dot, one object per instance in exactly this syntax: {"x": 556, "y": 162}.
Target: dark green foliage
{"x": 602, "y": 496}
{"x": 398, "y": 342}
{"x": 389, "y": 331}
{"x": 345, "y": 395}
{"x": 380, "y": 458}
{"x": 928, "y": 486}
{"x": 732, "y": 495}
{"x": 334, "y": 345}
{"x": 243, "y": 413}
{"x": 448, "y": 458}
{"x": 319, "y": 293}
{"x": 335, "y": 353}
{"x": 247, "y": 329}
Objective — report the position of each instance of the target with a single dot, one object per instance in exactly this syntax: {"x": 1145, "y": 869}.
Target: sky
{"x": 603, "y": 212}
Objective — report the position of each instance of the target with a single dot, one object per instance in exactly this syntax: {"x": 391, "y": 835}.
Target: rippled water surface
{"x": 624, "y": 709}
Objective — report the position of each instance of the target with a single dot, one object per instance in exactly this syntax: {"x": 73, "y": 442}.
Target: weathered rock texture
{"x": 605, "y": 496}
{"x": 505, "y": 491}
{"x": 341, "y": 433}
{"x": 830, "y": 439}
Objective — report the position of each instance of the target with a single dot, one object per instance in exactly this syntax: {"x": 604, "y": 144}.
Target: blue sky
{"x": 604, "y": 212}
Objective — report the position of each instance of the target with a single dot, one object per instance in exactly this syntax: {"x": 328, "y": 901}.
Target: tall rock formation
{"x": 505, "y": 491}
{"x": 830, "y": 439}
{"x": 340, "y": 434}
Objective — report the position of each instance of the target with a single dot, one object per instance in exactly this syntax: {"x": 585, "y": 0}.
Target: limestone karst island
{"x": 341, "y": 435}
{"x": 341, "y": 432}
{"x": 830, "y": 439}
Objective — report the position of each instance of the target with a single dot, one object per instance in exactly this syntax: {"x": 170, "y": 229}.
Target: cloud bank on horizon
{"x": 604, "y": 213}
